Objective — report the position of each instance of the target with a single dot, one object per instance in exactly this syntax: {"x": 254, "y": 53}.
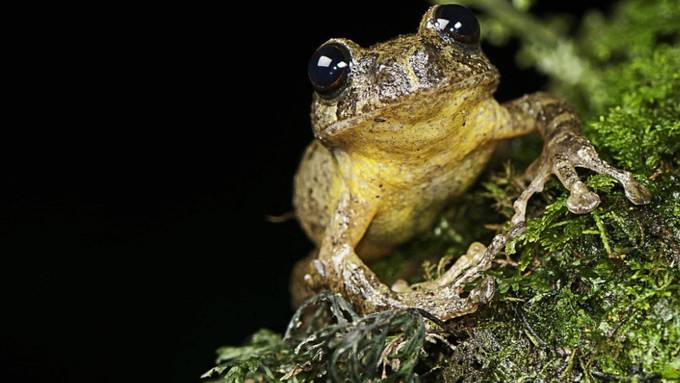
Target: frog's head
{"x": 377, "y": 92}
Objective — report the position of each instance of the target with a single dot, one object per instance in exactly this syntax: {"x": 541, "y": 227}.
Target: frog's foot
{"x": 475, "y": 257}
{"x": 445, "y": 298}
{"x": 561, "y": 156}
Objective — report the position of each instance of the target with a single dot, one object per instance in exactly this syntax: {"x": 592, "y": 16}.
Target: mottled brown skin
{"x": 411, "y": 131}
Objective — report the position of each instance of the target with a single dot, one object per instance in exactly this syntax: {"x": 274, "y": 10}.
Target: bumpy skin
{"x": 411, "y": 131}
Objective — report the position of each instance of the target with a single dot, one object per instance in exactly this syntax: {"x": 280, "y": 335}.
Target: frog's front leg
{"x": 565, "y": 149}
{"x": 339, "y": 268}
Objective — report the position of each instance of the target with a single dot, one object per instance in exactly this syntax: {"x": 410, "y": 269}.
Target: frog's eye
{"x": 328, "y": 69}
{"x": 457, "y": 22}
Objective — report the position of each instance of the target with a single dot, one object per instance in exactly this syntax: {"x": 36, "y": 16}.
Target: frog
{"x": 401, "y": 130}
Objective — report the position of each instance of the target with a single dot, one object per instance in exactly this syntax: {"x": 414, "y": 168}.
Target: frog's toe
{"x": 484, "y": 292}
{"x": 450, "y": 301}
{"x": 587, "y": 157}
{"x": 581, "y": 200}
{"x": 542, "y": 173}
{"x": 637, "y": 193}
{"x": 529, "y": 174}
{"x": 516, "y": 230}
{"x": 401, "y": 286}
{"x": 467, "y": 268}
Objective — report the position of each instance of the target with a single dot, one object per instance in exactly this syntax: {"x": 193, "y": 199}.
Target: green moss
{"x": 592, "y": 297}
{"x": 643, "y": 129}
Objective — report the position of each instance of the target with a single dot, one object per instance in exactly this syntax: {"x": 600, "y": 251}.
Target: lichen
{"x": 327, "y": 340}
{"x": 592, "y": 297}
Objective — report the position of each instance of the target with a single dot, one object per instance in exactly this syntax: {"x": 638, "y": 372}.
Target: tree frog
{"x": 401, "y": 129}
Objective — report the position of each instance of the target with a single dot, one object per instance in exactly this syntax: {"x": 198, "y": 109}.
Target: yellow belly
{"x": 409, "y": 211}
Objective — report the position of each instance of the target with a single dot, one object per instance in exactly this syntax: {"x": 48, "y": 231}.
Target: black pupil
{"x": 457, "y": 22}
{"x": 328, "y": 68}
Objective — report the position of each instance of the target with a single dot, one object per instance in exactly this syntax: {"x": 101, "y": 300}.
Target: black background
{"x": 148, "y": 147}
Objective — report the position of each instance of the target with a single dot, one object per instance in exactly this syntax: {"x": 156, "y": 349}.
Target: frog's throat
{"x": 486, "y": 80}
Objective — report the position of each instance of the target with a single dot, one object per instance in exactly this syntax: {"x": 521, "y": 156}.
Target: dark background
{"x": 148, "y": 147}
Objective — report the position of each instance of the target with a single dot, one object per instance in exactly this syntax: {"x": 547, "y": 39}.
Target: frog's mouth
{"x": 334, "y": 129}
{"x": 486, "y": 82}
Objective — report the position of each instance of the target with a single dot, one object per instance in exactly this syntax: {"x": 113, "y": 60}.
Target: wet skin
{"x": 401, "y": 129}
